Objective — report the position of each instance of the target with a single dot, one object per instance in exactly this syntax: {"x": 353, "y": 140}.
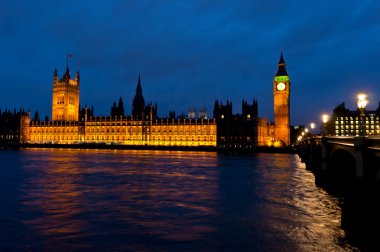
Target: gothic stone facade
{"x": 141, "y": 128}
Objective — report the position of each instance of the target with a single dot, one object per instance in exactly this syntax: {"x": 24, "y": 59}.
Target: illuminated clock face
{"x": 280, "y": 86}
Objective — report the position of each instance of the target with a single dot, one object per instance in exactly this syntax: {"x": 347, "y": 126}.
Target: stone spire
{"x": 281, "y": 71}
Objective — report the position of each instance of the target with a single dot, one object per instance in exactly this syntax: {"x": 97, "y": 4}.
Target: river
{"x": 126, "y": 200}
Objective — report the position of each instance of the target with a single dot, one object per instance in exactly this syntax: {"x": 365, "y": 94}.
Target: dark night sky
{"x": 190, "y": 53}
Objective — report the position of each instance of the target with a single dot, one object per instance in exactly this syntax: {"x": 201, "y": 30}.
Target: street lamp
{"x": 325, "y": 118}
{"x": 312, "y": 126}
{"x": 362, "y": 103}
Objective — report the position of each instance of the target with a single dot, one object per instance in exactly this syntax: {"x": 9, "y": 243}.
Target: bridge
{"x": 349, "y": 167}
{"x": 342, "y": 160}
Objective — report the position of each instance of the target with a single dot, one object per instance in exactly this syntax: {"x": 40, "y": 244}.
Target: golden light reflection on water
{"x": 167, "y": 200}
{"x": 160, "y": 193}
{"x": 314, "y": 214}
{"x": 54, "y": 194}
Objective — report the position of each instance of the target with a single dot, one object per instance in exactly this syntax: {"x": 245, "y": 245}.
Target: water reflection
{"x": 297, "y": 212}
{"x": 164, "y": 201}
{"x": 84, "y": 194}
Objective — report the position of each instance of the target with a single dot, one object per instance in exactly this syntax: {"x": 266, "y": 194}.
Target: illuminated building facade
{"x": 142, "y": 128}
{"x": 281, "y": 94}
{"x": 125, "y": 131}
{"x": 348, "y": 123}
{"x": 65, "y": 103}
{"x": 71, "y": 124}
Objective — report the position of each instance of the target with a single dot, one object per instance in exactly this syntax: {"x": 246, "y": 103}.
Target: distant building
{"x": 14, "y": 127}
{"x": 117, "y": 111}
{"x": 71, "y": 123}
{"x": 203, "y": 113}
{"x": 192, "y": 113}
{"x": 236, "y": 130}
{"x": 347, "y": 123}
{"x": 142, "y": 127}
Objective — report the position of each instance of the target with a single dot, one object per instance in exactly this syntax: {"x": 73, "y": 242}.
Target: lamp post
{"x": 312, "y": 126}
{"x": 325, "y": 118}
{"x": 362, "y": 103}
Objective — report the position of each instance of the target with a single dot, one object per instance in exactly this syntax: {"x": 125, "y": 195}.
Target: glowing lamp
{"x": 325, "y": 118}
{"x": 362, "y": 101}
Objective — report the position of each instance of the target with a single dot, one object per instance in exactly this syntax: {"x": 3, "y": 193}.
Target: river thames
{"x": 125, "y": 200}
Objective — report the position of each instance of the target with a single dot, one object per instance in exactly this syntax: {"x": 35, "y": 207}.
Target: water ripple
{"x": 163, "y": 200}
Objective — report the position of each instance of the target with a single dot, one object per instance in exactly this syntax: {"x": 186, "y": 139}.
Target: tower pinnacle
{"x": 67, "y": 73}
{"x": 281, "y": 71}
{"x": 138, "y": 104}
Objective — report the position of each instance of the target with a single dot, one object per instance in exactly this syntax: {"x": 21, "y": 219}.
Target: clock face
{"x": 280, "y": 86}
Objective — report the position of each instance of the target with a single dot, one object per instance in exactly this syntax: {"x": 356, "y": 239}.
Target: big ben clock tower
{"x": 281, "y": 93}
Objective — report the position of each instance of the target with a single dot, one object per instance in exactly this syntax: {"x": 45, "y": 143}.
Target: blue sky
{"x": 190, "y": 53}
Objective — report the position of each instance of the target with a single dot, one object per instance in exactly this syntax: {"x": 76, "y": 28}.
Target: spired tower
{"x": 281, "y": 93}
{"x": 138, "y": 104}
{"x": 65, "y": 104}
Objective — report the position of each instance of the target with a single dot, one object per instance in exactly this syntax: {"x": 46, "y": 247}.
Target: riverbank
{"x": 259, "y": 149}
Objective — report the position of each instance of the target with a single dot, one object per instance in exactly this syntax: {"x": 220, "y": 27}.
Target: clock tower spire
{"x": 281, "y": 94}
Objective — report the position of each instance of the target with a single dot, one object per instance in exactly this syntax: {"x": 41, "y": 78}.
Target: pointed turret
{"x": 139, "y": 88}
{"x": 55, "y": 76}
{"x": 120, "y": 107}
{"x": 138, "y": 104}
{"x": 77, "y": 77}
{"x": 66, "y": 76}
{"x": 281, "y": 71}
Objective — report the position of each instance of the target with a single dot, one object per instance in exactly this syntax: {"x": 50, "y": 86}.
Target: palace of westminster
{"x": 71, "y": 124}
